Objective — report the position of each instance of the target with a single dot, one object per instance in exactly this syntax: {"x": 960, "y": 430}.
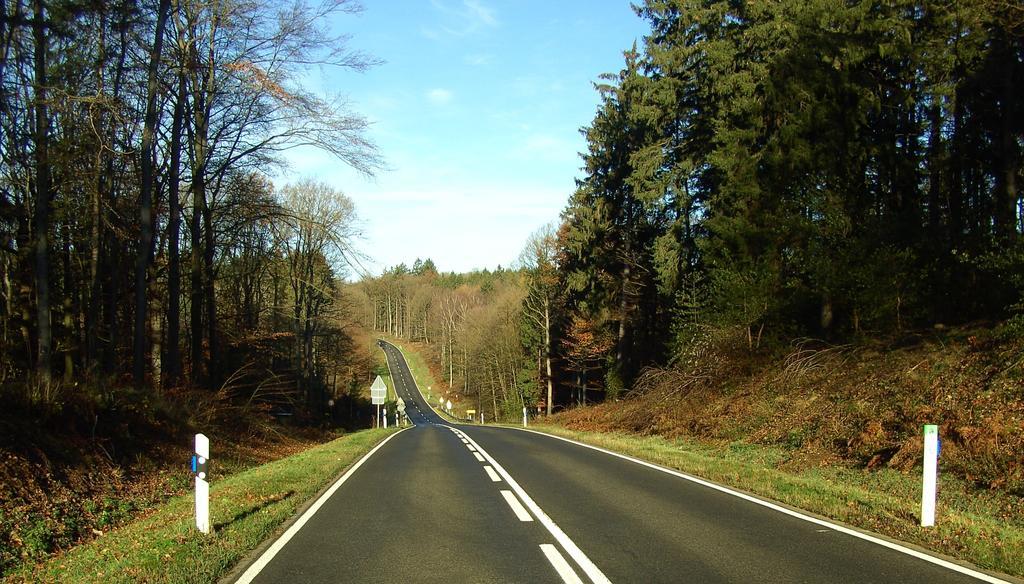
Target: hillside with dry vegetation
{"x": 860, "y": 405}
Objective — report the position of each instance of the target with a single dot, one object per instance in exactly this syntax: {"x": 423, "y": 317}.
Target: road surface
{"x": 442, "y": 502}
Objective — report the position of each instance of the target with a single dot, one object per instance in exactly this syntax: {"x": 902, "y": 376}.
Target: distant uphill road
{"x": 443, "y": 502}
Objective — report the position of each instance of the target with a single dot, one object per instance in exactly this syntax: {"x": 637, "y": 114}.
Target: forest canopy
{"x": 755, "y": 172}
{"x": 759, "y": 172}
{"x": 141, "y": 240}
{"x": 808, "y": 168}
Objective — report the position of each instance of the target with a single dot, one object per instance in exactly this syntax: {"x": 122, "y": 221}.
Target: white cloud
{"x": 425, "y": 208}
{"x": 440, "y": 96}
{"x": 472, "y": 17}
{"x": 469, "y": 227}
{"x": 480, "y": 12}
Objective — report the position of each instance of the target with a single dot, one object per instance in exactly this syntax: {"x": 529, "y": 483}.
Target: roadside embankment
{"x": 837, "y": 431}
{"x": 246, "y": 508}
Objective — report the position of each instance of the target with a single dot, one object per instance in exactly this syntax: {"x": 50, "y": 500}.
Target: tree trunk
{"x": 391, "y": 320}
{"x": 621, "y": 355}
{"x": 196, "y": 283}
{"x": 172, "y": 366}
{"x": 494, "y": 402}
{"x": 547, "y": 354}
{"x": 199, "y": 213}
{"x": 146, "y": 200}
{"x": 41, "y": 218}
{"x": 111, "y": 288}
{"x": 210, "y": 297}
{"x": 1007, "y": 157}
{"x": 157, "y": 354}
{"x": 956, "y": 185}
{"x": 935, "y": 224}
{"x": 826, "y": 314}
{"x": 91, "y": 306}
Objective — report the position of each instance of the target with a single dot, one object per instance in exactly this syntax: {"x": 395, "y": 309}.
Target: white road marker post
{"x": 524, "y": 416}
{"x": 931, "y": 464}
{"x": 200, "y": 467}
{"x": 385, "y": 417}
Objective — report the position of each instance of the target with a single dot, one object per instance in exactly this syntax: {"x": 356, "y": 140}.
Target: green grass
{"x": 981, "y": 527}
{"x": 246, "y": 509}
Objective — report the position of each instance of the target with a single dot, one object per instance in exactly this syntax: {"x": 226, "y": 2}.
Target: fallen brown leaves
{"x": 861, "y": 406}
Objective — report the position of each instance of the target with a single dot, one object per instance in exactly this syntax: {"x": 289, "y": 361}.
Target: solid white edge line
{"x": 561, "y": 566}
{"x": 591, "y": 570}
{"x": 265, "y": 558}
{"x": 848, "y": 531}
{"x": 478, "y": 457}
{"x": 494, "y": 476}
{"x": 516, "y": 506}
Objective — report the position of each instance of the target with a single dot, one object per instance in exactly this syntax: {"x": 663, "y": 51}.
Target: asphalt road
{"x": 466, "y": 503}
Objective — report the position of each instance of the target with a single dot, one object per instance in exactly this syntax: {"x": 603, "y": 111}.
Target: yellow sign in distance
{"x": 470, "y": 412}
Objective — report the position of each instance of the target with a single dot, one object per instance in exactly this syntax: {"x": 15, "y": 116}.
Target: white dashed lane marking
{"x": 516, "y": 506}
{"x": 494, "y": 476}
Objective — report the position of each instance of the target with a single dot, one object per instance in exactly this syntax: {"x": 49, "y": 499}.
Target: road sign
{"x": 401, "y": 405}
{"x": 378, "y": 391}
{"x": 448, "y": 406}
{"x": 470, "y": 412}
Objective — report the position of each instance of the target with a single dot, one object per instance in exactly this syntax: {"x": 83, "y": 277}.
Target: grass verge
{"x": 980, "y": 527}
{"x": 246, "y": 508}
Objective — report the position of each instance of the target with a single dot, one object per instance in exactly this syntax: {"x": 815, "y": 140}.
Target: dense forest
{"x": 757, "y": 172}
{"x": 154, "y": 281}
{"x": 793, "y": 169}
{"x": 142, "y": 244}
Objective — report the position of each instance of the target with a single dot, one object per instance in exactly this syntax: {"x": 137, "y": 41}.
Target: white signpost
{"x": 931, "y": 466}
{"x": 202, "y": 457}
{"x": 448, "y": 406}
{"x": 401, "y": 410}
{"x": 378, "y": 394}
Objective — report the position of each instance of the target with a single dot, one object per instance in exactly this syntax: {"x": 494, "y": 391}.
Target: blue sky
{"x": 477, "y": 110}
